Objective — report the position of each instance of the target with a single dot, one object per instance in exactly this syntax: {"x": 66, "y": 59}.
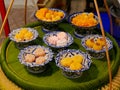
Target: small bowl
{"x": 54, "y": 33}
{"x": 23, "y": 43}
{"x": 82, "y": 30}
{"x": 96, "y": 53}
{"x": 34, "y": 66}
{"x": 50, "y": 25}
{"x": 86, "y": 62}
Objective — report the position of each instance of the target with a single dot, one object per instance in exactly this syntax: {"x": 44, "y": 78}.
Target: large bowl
{"x": 96, "y": 53}
{"x": 48, "y": 26}
{"x": 23, "y": 43}
{"x": 69, "y": 53}
{"x": 54, "y": 33}
{"x": 32, "y": 66}
{"x": 81, "y": 30}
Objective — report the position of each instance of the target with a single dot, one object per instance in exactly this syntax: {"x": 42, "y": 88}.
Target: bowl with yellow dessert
{"x": 95, "y": 45}
{"x": 50, "y": 17}
{"x": 84, "y": 23}
{"x": 35, "y": 58}
{"x": 23, "y": 36}
{"x": 73, "y": 62}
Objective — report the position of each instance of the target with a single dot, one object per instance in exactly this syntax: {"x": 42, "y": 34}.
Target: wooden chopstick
{"x": 106, "y": 47}
{"x": 6, "y": 16}
{"x": 25, "y": 12}
{"x": 109, "y": 15}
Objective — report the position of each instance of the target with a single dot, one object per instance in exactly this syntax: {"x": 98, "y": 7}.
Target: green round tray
{"x": 52, "y": 78}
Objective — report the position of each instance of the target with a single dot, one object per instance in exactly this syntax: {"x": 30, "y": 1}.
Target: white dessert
{"x": 52, "y": 40}
{"x": 61, "y": 42}
{"x": 40, "y": 60}
{"x": 62, "y": 35}
{"x": 39, "y": 52}
{"x": 29, "y": 58}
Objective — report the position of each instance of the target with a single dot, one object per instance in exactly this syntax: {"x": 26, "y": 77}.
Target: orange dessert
{"x": 85, "y": 20}
{"x": 49, "y": 15}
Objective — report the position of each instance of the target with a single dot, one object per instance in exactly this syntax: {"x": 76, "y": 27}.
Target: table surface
{"x": 52, "y": 78}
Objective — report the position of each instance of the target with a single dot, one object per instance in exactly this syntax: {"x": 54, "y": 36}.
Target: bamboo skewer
{"x": 107, "y": 53}
{"x": 25, "y": 13}
{"x": 6, "y": 16}
{"x": 111, "y": 26}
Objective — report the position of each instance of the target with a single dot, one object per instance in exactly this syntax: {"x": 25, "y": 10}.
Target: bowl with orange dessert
{"x": 83, "y": 22}
{"x": 50, "y": 17}
{"x": 95, "y": 45}
{"x": 23, "y": 36}
{"x": 35, "y": 58}
{"x": 58, "y": 39}
{"x": 73, "y": 62}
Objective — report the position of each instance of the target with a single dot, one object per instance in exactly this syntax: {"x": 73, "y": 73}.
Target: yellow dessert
{"x": 89, "y": 43}
{"x": 49, "y": 15}
{"x": 97, "y": 46}
{"x": 23, "y": 34}
{"x": 75, "y": 66}
{"x": 74, "y": 62}
{"x": 66, "y": 62}
{"x": 77, "y": 58}
{"x": 101, "y": 41}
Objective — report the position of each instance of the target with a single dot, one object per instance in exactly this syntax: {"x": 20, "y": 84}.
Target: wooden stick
{"x": 108, "y": 11}
{"x": 6, "y": 16}
{"x": 106, "y": 47}
{"x": 25, "y": 13}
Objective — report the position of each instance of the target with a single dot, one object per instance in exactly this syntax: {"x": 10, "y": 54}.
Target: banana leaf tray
{"x": 52, "y": 78}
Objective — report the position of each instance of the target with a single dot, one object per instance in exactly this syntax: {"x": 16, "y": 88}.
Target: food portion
{"x": 95, "y": 43}
{"x": 58, "y": 39}
{"x": 49, "y": 15}
{"x": 23, "y": 34}
{"x": 84, "y": 20}
{"x": 35, "y": 55}
{"x": 73, "y": 62}
{"x": 38, "y": 56}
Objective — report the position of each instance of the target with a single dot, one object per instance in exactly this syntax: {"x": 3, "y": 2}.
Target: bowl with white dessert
{"x": 35, "y": 58}
{"x": 58, "y": 39}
